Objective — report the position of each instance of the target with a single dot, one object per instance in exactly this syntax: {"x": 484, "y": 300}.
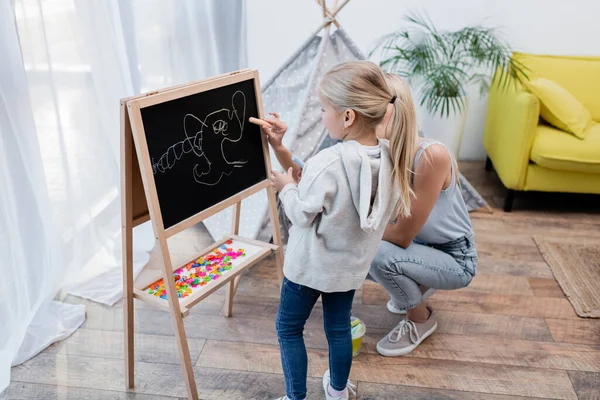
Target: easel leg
{"x": 128, "y": 308}
{"x": 182, "y": 344}
{"x": 228, "y": 307}
{"x": 184, "y": 352}
{"x": 233, "y": 284}
{"x": 273, "y": 215}
{"x": 127, "y": 241}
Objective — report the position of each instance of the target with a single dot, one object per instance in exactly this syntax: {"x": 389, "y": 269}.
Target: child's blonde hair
{"x": 401, "y": 89}
{"x": 362, "y": 86}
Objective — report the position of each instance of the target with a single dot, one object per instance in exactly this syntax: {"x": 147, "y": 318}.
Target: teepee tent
{"x": 292, "y": 91}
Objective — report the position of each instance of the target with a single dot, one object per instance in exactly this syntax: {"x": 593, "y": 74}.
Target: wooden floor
{"x": 510, "y": 335}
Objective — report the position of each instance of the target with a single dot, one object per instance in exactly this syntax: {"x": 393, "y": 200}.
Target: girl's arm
{"x": 430, "y": 175}
{"x": 274, "y": 130}
{"x": 287, "y": 161}
{"x": 304, "y": 201}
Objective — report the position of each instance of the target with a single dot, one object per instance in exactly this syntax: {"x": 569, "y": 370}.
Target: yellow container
{"x": 357, "y": 335}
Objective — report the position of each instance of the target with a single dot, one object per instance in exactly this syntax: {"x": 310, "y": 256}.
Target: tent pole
{"x": 329, "y": 16}
{"x": 338, "y": 9}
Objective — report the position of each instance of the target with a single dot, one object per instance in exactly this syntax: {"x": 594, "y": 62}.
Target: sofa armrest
{"x": 511, "y": 121}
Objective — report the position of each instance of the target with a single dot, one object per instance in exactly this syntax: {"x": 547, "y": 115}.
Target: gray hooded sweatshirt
{"x": 337, "y": 221}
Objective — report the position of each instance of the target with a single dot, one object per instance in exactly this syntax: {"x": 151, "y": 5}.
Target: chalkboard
{"x": 202, "y": 149}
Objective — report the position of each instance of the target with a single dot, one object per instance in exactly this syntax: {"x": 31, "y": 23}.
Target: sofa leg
{"x": 488, "y": 164}
{"x": 508, "y": 202}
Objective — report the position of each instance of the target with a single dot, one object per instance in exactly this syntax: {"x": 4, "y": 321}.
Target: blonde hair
{"x": 362, "y": 86}
{"x": 401, "y": 89}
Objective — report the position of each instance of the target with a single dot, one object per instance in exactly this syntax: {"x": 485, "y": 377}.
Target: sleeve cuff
{"x": 287, "y": 188}
{"x": 298, "y": 161}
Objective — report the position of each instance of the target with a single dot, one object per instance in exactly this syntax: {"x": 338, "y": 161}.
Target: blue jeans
{"x": 404, "y": 272}
{"x": 295, "y": 305}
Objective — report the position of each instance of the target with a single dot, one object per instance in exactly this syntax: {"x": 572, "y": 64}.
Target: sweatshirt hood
{"x": 357, "y": 165}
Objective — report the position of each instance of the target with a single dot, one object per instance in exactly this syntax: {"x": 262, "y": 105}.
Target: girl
{"x": 432, "y": 248}
{"x": 339, "y": 211}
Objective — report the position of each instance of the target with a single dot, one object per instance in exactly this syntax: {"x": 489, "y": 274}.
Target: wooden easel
{"x": 139, "y": 204}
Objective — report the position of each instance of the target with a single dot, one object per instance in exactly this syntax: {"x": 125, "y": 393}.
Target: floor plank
{"x": 586, "y": 384}
{"x": 487, "y": 303}
{"x": 494, "y": 303}
{"x": 484, "y": 283}
{"x": 523, "y": 353}
{"x": 34, "y": 391}
{"x": 586, "y": 331}
{"x": 110, "y": 344}
{"x": 488, "y": 224}
{"x": 468, "y": 377}
{"x": 546, "y": 287}
{"x": 376, "y": 391}
{"x": 455, "y": 322}
{"x": 535, "y": 269}
{"x": 439, "y": 374}
{"x": 560, "y": 226}
{"x": 200, "y": 326}
{"x": 521, "y": 252}
{"x": 152, "y": 378}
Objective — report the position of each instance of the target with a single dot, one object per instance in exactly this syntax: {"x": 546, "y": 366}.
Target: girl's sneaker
{"x": 350, "y": 387}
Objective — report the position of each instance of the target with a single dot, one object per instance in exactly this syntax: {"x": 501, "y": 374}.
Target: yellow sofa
{"x": 527, "y": 153}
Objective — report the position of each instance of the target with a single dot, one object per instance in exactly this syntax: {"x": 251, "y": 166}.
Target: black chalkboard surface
{"x": 203, "y": 150}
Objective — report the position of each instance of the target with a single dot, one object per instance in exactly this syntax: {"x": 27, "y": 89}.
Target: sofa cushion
{"x": 559, "y": 108}
{"x": 578, "y": 75}
{"x": 555, "y": 149}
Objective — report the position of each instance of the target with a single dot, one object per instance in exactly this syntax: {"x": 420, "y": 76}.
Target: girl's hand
{"x": 280, "y": 180}
{"x": 275, "y": 131}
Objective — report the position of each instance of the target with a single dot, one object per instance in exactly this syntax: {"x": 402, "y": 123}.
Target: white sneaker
{"x": 350, "y": 387}
{"x": 392, "y": 308}
{"x": 406, "y": 336}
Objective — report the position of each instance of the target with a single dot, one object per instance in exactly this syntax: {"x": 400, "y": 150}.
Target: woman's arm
{"x": 431, "y": 173}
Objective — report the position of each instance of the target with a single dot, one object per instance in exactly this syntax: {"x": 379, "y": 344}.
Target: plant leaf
{"x": 447, "y": 61}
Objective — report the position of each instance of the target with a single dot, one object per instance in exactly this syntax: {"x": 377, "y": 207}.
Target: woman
{"x": 433, "y": 248}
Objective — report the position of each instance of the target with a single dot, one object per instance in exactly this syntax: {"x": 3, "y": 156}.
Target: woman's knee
{"x": 388, "y": 254}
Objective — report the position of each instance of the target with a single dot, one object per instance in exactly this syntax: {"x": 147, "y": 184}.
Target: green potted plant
{"x": 442, "y": 65}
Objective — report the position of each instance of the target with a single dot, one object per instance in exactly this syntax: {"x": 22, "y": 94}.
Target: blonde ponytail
{"x": 403, "y": 136}
{"x": 408, "y": 114}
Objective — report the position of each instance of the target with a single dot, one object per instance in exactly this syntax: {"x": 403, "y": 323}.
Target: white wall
{"x": 277, "y": 27}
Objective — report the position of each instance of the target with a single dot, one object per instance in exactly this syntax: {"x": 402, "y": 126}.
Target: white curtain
{"x": 31, "y": 262}
{"x": 65, "y": 65}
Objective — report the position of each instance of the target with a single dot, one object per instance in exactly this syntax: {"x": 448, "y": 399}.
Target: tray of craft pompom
{"x": 208, "y": 269}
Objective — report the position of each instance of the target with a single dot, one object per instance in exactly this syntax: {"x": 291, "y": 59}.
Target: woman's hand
{"x": 279, "y": 180}
{"x": 275, "y": 131}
